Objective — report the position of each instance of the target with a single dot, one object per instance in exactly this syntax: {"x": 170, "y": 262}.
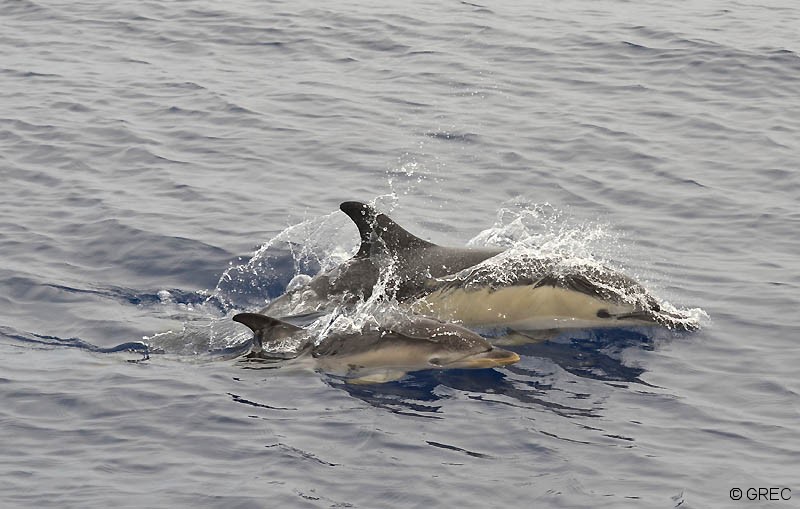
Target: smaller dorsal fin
{"x": 265, "y": 328}
{"x": 258, "y": 322}
{"x": 373, "y": 225}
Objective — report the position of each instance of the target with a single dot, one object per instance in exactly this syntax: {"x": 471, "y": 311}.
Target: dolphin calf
{"x": 383, "y": 354}
{"x": 477, "y": 287}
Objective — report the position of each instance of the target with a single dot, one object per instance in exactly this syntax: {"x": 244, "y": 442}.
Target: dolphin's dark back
{"x": 413, "y": 259}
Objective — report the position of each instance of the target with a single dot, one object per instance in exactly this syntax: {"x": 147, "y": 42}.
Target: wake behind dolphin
{"x": 477, "y": 287}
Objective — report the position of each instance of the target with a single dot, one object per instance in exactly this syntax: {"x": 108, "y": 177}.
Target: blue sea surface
{"x": 167, "y": 164}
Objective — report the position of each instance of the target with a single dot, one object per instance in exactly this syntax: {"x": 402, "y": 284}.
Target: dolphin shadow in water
{"x": 593, "y": 355}
{"x": 417, "y": 394}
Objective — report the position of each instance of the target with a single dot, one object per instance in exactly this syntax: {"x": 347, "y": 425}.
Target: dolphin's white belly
{"x": 521, "y": 307}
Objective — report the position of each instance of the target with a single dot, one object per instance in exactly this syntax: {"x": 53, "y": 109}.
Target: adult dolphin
{"x": 380, "y": 354}
{"x": 477, "y": 287}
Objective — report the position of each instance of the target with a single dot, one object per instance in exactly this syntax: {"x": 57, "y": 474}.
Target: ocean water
{"x": 167, "y": 164}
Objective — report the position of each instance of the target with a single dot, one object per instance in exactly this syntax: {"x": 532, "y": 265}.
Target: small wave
{"x": 450, "y": 136}
{"x": 46, "y": 340}
{"x": 138, "y": 297}
{"x": 28, "y": 74}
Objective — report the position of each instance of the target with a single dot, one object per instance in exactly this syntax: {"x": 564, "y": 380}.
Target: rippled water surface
{"x": 167, "y": 164}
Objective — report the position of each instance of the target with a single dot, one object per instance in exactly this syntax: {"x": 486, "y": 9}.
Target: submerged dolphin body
{"x": 384, "y": 354}
{"x": 477, "y": 287}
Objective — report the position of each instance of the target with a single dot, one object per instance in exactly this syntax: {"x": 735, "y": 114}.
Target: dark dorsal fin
{"x": 259, "y": 322}
{"x": 373, "y": 225}
{"x": 265, "y": 327}
{"x": 364, "y": 217}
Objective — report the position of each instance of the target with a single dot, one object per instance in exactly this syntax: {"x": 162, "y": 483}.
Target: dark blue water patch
{"x": 43, "y": 340}
{"x": 527, "y": 390}
{"x": 146, "y": 255}
{"x": 595, "y": 354}
{"x": 412, "y": 396}
{"x": 416, "y": 394}
{"x": 139, "y": 297}
{"x": 248, "y": 285}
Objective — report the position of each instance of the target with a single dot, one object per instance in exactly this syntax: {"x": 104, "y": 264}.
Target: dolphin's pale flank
{"x": 525, "y": 293}
{"x": 384, "y": 354}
